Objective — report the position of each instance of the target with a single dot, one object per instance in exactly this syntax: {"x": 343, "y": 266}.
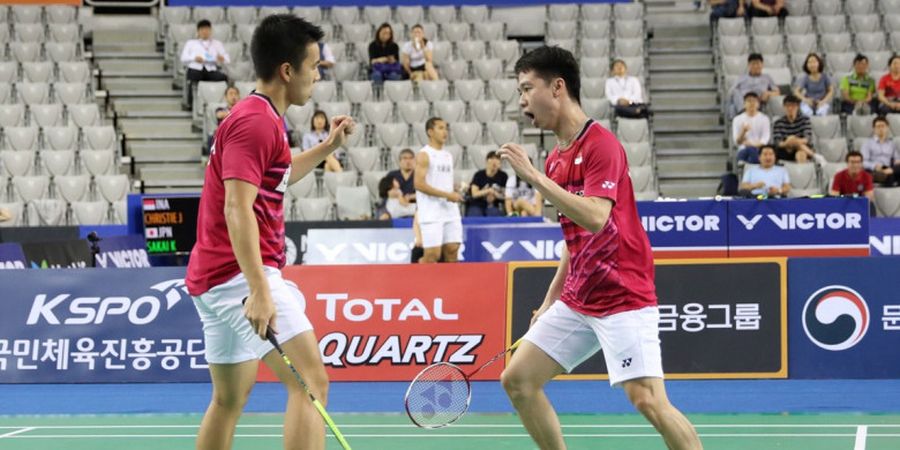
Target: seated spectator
{"x": 488, "y": 189}
{"x": 853, "y": 180}
{"x": 725, "y": 9}
{"x": 416, "y": 56}
{"x": 522, "y": 199}
{"x": 393, "y": 204}
{"x": 889, "y": 89}
{"x": 766, "y": 179}
{"x": 204, "y": 57}
{"x": 814, "y": 88}
{"x": 232, "y": 96}
{"x": 405, "y": 175}
{"x": 755, "y": 81}
{"x": 750, "y": 130}
{"x": 625, "y": 93}
{"x": 858, "y": 88}
{"x": 767, "y": 8}
{"x": 318, "y": 133}
{"x": 384, "y": 56}
{"x": 792, "y": 134}
{"x": 326, "y": 61}
{"x": 880, "y": 154}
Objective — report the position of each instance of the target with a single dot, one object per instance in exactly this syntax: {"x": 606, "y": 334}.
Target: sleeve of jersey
{"x": 604, "y": 163}
{"x": 245, "y": 151}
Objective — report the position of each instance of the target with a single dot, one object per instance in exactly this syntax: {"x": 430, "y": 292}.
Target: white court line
{"x": 438, "y": 436}
{"x": 861, "y": 432}
{"x": 598, "y": 426}
{"x": 13, "y": 433}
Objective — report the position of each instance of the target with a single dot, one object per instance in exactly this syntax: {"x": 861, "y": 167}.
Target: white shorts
{"x": 630, "y": 340}
{"x": 228, "y": 336}
{"x": 436, "y": 234}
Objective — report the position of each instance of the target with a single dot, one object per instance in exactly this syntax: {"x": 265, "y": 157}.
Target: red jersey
{"x": 250, "y": 145}
{"x": 610, "y": 271}
{"x": 844, "y": 184}
{"x": 890, "y": 86}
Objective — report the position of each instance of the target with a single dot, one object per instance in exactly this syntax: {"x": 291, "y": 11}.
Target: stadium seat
{"x": 642, "y": 178}
{"x": 413, "y": 111}
{"x": 798, "y": 25}
{"x": 377, "y": 112}
{"x": 595, "y": 67}
{"x": 312, "y": 14}
{"x": 391, "y": 134}
{"x": 410, "y": 15}
{"x": 33, "y": 93}
{"x": 398, "y": 90}
{"x": 593, "y": 87}
{"x": 633, "y": 130}
{"x": 332, "y": 109}
{"x": 826, "y": 127}
{"x": 504, "y": 90}
{"x": 638, "y": 153}
{"x": 100, "y": 138}
{"x": 113, "y": 188}
{"x": 57, "y": 163}
{"x": 357, "y": 32}
{"x": 60, "y": 15}
{"x": 376, "y": 15}
{"x": 419, "y": 133}
{"x": 565, "y": 44}
{"x": 827, "y": 25}
{"x": 61, "y": 138}
{"x": 25, "y": 51}
{"x": 324, "y": 91}
{"x": 71, "y": 93}
{"x": 488, "y": 69}
{"x": 887, "y": 202}
{"x": 889, "y": 6}
{"x": 74, "y": 72}
{"x": 473, "y": 14}
{"x": 803, "y": 176}
{"x": 98, "y": 162}
{"x": 562, "y": 30}
{"x": 763, "y": 26}
{"x": 865, "y": 24}
{"x": 346, "y": 70}
{"x": 26, "y": 14}
{"x": 465, "y": 133}
{"x": 826, "y": 7}
{"x": 314, "y": 209}
{"x": 364, "y": 159}
{"x": 798, "y": 7}
{"x": 31, "y": 187}
{"x": 46, "y": 212}
{"x": 21, "y": 138}
{"x": 628, "y": 11}
{"x": 477, "y": 155}
{"x": 29, "y": 32}
{"x": 503, "y": 132}
{"x": 469, "y": 90}
{"x": 332, "y": 180}
{"x": 486, "y": 110}
{"x": 86, "y": 115}
{"x": 471, "y": 50}
{"x": 306, "y": 187}
{"x": 357, "y": 92}
{"x": 90, "y": 213}
{"x": 454, "y": 32}
{"x": 833, "y": 150}
{"x": 734, "y": 45}
{"x": 441, "y": 53}
{"x": 596, "y": 11}
{"x": 299, "y": 117}
{"x": 559, "y": 12}
{"x": 49, "y": 115}
{"x": 836, "y": 43}
{"x": 61, "y": 51}
{"x": 214, "y": 14}
{"x": 630, "y": 29}
{"x": 768, "y": 44}
{"x": 12, "y": 115}
{"x": 598, "y": 29}
{"x": 9, "y": 70}
{"x": 353, "y": 203}
{"x": 242, "y": 15}
{"x": 454, "y": 70}
{"x": 597, "y": 108}
{"x": 17, "y": 163}
{"x": 828, "y": 172}
{"x": 489, "y": 31}
{"x": 870, "y": 42}
{"x": 442, "y": 14}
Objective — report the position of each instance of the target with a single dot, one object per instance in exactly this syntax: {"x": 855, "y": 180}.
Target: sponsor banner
{"x": 884, "y": 236}
{"x": 719, "y": 318}
{"x": 12, "y": 257}
{"x": 525, "y": 242}
{"x": 686, "y": 229}
{"x": 820, "y": 227}
{"x": 845, "y": 318}
{"x": 359, "y": 246}
{"x": 388, "y": 322}
{"x": 60, "y": 254}
{"x": 123, "y": 252}
{"x": 296, "y": 234}
{"x": 99, "y": 326}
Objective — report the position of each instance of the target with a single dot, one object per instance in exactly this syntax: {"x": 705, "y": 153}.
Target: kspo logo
{"x": 806, "y": 221}
{"x": 836, "y": 318}
{"x": 68, "y": 310}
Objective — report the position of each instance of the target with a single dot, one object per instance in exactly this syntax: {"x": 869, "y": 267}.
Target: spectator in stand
{"x": 858, "y": 89}
{"x": 488, "y": 189}
{"x": 416, "y": 56}
{"x": 792, "y": 134}
{"x": 880, "y": 154}
{"x": 317, "y": 134}
{"x": 767, "y": 8}
{"x": 384, "y": 56}
{"x": 750, "y": 130}
{"x": 393, "y": 204}
{"x": 889, "y": 88}
{"x": 326, "y": 61}
{"x": 522, "y": 199}
{"x": 204, "y": 57}
{"x": 755, "y": 81}
{"x": 725, "y": 9}
{"x": 405, "y": 175}
{"x": 814, "y": 88}
{"x": 853, "y": 180}
{"x": 625, "y": 93}
{"x": 232, "y": 96}
{"x": 766, "y": 179}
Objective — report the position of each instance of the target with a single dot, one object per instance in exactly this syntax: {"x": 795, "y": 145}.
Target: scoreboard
{"x": 170, "y": 223}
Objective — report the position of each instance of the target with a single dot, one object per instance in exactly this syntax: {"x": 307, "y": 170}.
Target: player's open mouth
{"x": 530, "y": 116}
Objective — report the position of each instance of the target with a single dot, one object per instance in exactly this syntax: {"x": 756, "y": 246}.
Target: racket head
{"x": 438, "y": 396}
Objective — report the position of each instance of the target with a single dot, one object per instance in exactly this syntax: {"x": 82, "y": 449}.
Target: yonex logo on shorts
{"x": 626, "y": 362}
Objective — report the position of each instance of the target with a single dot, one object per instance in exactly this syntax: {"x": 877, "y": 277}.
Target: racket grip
{"x": 270, "y": 335}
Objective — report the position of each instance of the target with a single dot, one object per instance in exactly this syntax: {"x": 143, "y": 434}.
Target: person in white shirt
{"x": 204, "y": 57}
{"x": 416, "y": 56}
{"x": 438, "y": 201}
{"x": 750, "y": 130}
{"x": 625, "y": 93}
{"x": 766, "y": 179}
{"x": 326, "y": 61}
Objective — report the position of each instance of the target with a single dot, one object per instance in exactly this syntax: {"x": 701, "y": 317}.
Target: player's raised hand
{"x": 341, "y": 127}
{"x": 518, "y": 160}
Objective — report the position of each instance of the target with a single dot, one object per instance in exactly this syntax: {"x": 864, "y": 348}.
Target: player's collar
{"x": 267, "y": 99}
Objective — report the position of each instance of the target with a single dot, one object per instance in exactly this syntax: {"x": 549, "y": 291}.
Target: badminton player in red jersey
{"x": 240, "y": 241}
{"x": 603, "y": 294}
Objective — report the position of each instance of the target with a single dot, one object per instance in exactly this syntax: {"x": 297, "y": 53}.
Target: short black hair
{"x": 791, "y": 98}
{"x": 755, "y": 57}
{"x": 860, "y": 57}
{"x": 429, "y": 125}
{"x": 751, "y": 94}
{"x": 405, "y": 151}
{"x": 553, "y": 62}
{"x": 384, "y": 186}
{"x": 893, "y": 57}
{"x": 312, "y": 120}
{"x": 279, "y": 39}
{"x": 852, "y": 153}
{"x": 767, "y": 146}
{"x": 204, "y": 24}
{"x": 818, "y": 58}
{"x": 880, "y": 119}
{"x": 492, "y": 155}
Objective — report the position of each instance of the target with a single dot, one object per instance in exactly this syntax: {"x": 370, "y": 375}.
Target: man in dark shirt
{"x": 488, "y": 189}
{"x": 792, "y": 134}
{"x": 405, "y": 175}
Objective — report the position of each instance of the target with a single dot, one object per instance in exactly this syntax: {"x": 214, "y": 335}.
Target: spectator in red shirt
{"x": 853, "y": 180}
{"x": 889, "y": 89}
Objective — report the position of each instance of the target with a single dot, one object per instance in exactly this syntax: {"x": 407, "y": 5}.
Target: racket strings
{"x": 438, "y": 397}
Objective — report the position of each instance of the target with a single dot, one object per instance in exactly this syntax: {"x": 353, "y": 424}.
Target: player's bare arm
{"x": 590, "y": 213}
{"x": 422, "y": 162}
{"x": 243, "y": 231}
{"x": 303, "y": 163}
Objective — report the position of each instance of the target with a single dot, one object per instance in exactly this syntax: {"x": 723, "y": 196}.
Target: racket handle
{"x": 270, "y": 334}
{"x": 515, "y": 344}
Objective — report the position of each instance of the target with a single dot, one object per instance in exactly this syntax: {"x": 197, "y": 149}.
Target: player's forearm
{"x": 243, "y": 231}
{"x": 580, "y": 210}
{"x": 304, "y": 163}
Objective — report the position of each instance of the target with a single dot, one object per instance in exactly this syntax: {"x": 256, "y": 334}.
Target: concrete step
{"x": 116, "y": 84}
{"x": 690, "y": 128}
{"x": 129, "y": 55}
{"x": 710, "y": 140}
{"x": 146, "y": 66}
{"x": 673, "y": 80}
{"x": 706, "y": 67}
{"x": 679, "y": 43}
{"x": 676, "y": 98}
{"x": 159, "y": 125}
{"x": 170, "y": 150}
{"x": 692, "y": 151}
{"x": 151, "y": 134}
{"x": 185, "y": 115}
{"x": 116, "y": 36}
{"x": 666, "y": 120}
{"x": 139, "y": 105}
{"x": 132, "y": 94}
{"x": 688, "y": 188}
{"x": 664, "y": 60}
{"x": 672, "y": 167}
{"x": 680, "y": 25}
{"x": 174, "y": 171}
{"x": 685, "y": 50}
{"x": 170, "y": 188}
{"x": 712, "y": 108}
{"x": 125, "y": 47}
